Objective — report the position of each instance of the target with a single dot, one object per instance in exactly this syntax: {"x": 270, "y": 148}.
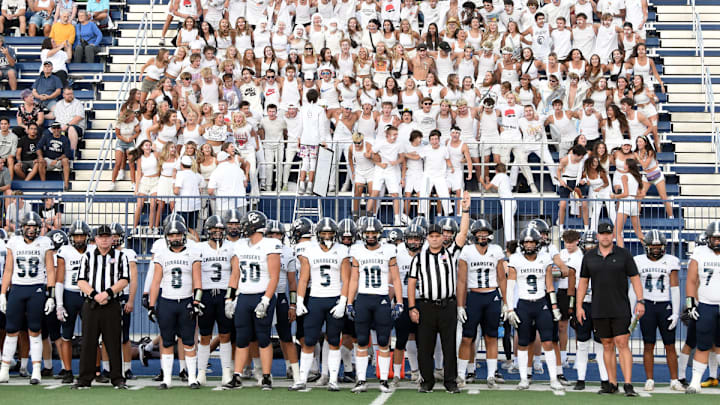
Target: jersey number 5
{"x": 27, "y": 266}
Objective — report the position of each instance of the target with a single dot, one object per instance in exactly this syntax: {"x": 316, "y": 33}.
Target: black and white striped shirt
{"x": 435, "y": 274}
{"x": 103, "y": 271}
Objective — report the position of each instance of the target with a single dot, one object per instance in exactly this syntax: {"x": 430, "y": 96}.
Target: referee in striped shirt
{"x": 432, "y": 303}
{"x": 104, "y": 273}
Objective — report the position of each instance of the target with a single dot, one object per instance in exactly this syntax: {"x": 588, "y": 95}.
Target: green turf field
{"x": 472, "y": 394}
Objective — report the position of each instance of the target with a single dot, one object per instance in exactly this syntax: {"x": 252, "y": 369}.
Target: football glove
{"x": 152, "y": 314}
{"x": 146, "y": 301}
{"x": 49, "y": 305}
{"x": 3, "y": 303}
{"x": 351, "y": 312}
{"x": 230, "y": 308}
{"x": 61, "y": 313}
{"x": 300, "y": 308}
{"x": 397, "y": 311}
{"x": 557, "y": 315}
{"x": 512, "y": 318}
{"x": 262, "y": 307}
{"x": 692, "y": 308}
{"x": 673, "y": 321}
{"x": 338, "y": 311}
{"x": 461, "y": 314}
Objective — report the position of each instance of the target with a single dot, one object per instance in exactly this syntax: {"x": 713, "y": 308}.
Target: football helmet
{"x": 326, "y": 225}
{"x": 371, "y": 226}
{"x": 174, "y": 228}
{"x": 347, "y": 229}
{"x": 530, "y": 235}
{"x": 214, "y": 228}
{"x": 30, "y": 225}
{"x": 233, "y": 222}
{"x": 713, "y": 232}
{"x": 274, "y": 226}
{"x": 394, "y": 235}
{"x": 300, "y": 228}
{"x": 588, "y": 241}
{"x": 448, "y": 224}
{"x": 173, "y": 217}
{"x": 421, "y": 222}
{"x": 654, "y": 244}
{"x": 478, "y": 226}
{"x": 80, "y": 228}
{"x": 117, "y": 230}
{"x": 255, "y": 221}
{"x": 414, "y": 231}
{"x": 58, "y": 238}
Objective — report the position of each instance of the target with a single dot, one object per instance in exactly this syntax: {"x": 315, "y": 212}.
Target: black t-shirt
{"x": 609, "y": 279}
{"x": 28, "y": 148}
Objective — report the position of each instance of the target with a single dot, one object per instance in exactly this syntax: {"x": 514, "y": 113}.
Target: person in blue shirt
{"x": 87, "y": 39}
{"x": 99, "y": 12}
{"x": 54, "y": 150}
{"x": 47, "y": 86}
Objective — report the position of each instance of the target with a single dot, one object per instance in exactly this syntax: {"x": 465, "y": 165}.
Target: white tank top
{"x": 636, "y": 128}
{"x": 578, "y": 71}
{"x": 392, "y": 98}
{"x": 168, "y": 167}
{"x": 251, "y": 93}
{"x": 572, "y": 170}
{"x": 380, "y": 132}
{"x": 325, "y": 10}
{"x": 529, "y": 68}
{"x": 466, "y": 68}
{"x": 470, "y": 97}
{"x": 406, "y": 40}
{"x": 317, "y": 39}
{"x": 291, "y": 92}
{"x": 584, "y": 40}
{"x": 366, "y": 126}
{"x": 243, "y": 41}
{"x": 599, "y": 97}
{"x": 262, "y": 39}
{"x": 329, "y": 93}
{"x": 467, "y": 127}
{"x": 605, "y": 42}
{"x": 272, "y": 94}
{"x": 145, "y": 124}
{"x": 210, "y": 92}
{"x": 444, "y": 68}
{"x": 345, "y": 66}
{"x": 456, "y": 155}
{"x": 632, "y": 187}
{"x": 643, "y": 70}
{"x": 168, "y": 134}
{"x": 564, "y": 127}
{"x": 589, "y": 126}
{"x": 541, "y": 41}
{"x": 348, "y": 93}
{"x": 154, "y": 72}
{"x": 193, "y": 135}
{"x": 362, "y": 164}
{"x": 509, "y": 75}
{"x": 443, "y": 125}
{"x": 525, "y": 97}
{"x": 486, "y": 64}
{"x": 173, "y": 68}
{"x": 149, "y": 165}
{"x": 302, "y": 13}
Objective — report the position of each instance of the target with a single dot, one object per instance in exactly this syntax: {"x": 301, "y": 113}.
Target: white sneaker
{"x": 460, "y": 381}
{"x": 523, "y": 385}
{"x": 649, "y": 385}
{"x": 121, "y": 175}
{"x": 345, "y": 187}
{"x": 36, "y": 376}
{"x": 333, "y": 387}
{"x": 555, "y": 385}
{"x": 415, "y": 376}
{"x": 309, "y": 188}
{"x": 395, "y": 382}
{"x": 439, "y": 373}
{"x": 226, "y": 376}
{"x": 162, "y": 42}
{"x": 676, "y": 385}
{"x": 491, "y": 383}
{"x": 112, "y": 186}
{"x": 323, "y": 381}
{"x": 4, "y": 373}
{"x": 202, "y": 377}
{"x": 301, "y": 188}
{"x": 693, "y": 389}
{"x": 507, "y": 365}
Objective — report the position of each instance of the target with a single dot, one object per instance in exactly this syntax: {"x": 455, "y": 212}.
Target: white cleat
{"x": 415, "y": 376}
{"x": 323, "y": 381}
{"x": 36, "y": 376}
{"x": 491, "y": 383}
{"x": 385, "y": 387}
{"x": 461, "y": 382}
{"x": 360, "y": 386}
{"x": 395, "y": 382}
{"x": 226, "y": 376}
{"x": 202, "y": 377}
{"x": 693, "y": 389}
{"x": 537, "y": 368}
{"x": 4, "y": 373}
{"x": 523, "y": 385}
{"x": 555, "y": 385}
{"x": 676, "y": 385}
{"x": 333, "y": 387}
{"x": 649, "y": 385}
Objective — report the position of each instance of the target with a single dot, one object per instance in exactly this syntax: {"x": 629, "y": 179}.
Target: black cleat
{"x": 34, "y": 381}
{"x": 103, "y": 377}
{"x": 348, "y": 378}
{"x": 313, "y": 376}
{"x": 266, "y": 383}
{"x": 78, "y": 386}
{"x": 453, "y": 389}
{"x": 499, "y": 378}
{"x": 60, "y": 375}
{"x": 684, "y": 382}
{"x": 579, "y": 385}
{"x": 605, "y": 388}
{"x": 563, "y": 380}
{"x": 46, "y": 372}
{"x": 121, "y": 386}
{"x": 629, "y": 390}
{"x": 424, "y": 389}
{"x": 163, "y": 386}
{"x": 68, "y": 378}
{"x": 129, "y": 375}
{"x": 195, "y": 386}
{"x": 234, "y": 383}
{"x": 183, "y": 374}
{"x": 159, "y": 377}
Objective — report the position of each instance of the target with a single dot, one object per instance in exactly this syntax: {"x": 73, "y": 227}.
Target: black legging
{"x": 507, "y": 340}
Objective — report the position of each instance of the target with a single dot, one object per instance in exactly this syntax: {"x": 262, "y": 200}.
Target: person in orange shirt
{"x": 62, "y": 30}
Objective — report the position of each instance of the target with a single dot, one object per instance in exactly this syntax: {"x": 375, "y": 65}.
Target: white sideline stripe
{"x": 381, "y": 399}
{"x": 218, "y": 388}
{"x": 136, "y": 387}
{"x": 53, "y": 386}
{"x": 644, "y": 394}
{"x": 473, "y": 392}
{"x": 559, "y": 393}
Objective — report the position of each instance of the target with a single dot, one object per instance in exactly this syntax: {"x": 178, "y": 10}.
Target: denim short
{"x": 38, "y": 20}
{"x": 124, "y": 146}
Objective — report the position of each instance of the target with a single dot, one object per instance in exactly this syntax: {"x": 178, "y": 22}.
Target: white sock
{"x": 287, "y": 365}
{"x": 324, "y": 366}
{"x": 550, "y": 361}
{"x": 126, "y": 366}
{"x": 105, "y": 365}
{"x": 600, "y": 358}
{"x": 226, "y": 355}
{"x": 384, "y": 364}
{"x": 192, "y": 365}
{"x": 563, "y": 356}
{"x": 346, "y": 355}
{"x": 166, "y": 362}
{"x": 306, "y": 361}
{"x": 698, "y": 371}
{"x": 257, "y": 365}
{"x": 397, "y": 218}
{"x": 361, "y": 363}
{"x": 295, "y": 367}
{"x": 712, "y": 366}
{"x": 397, "y": 370}
{"x": 24, "y": 363}
{"x": 183, "y": 365}
{"x": 36, "y": 349}
{"x": 492, "y": 367}
{"x": 9, "y": 348}
{"x": 462, "y": 368}
{"x": 682, "y": 364}
{"x": 333, "y": 364}
{"x": 411, "y": 354}
{"x": 471, "y": 366}
{"x": 581, "y": 359}
{"x": 47, "y": 363}
{"x": 203, "y": 355}
{"x": 522, "y": 359}
{"x": 150, "y": 346}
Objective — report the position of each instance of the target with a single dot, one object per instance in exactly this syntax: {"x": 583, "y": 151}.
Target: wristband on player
{"x": 690, "y": 302}
{"x": 293, "y": 297}
{"x": 50, "y": 292}
{"x": 197, "y": 294}
{"x": 230, "y": 294}
{"x": 572, "y": 301}
{"x": 553, "y": 298}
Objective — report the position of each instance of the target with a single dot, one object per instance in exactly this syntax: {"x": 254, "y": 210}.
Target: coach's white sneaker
{"x": 693, "y": 389}
{"x": 676, "y": 385}
{"x": 649, "y": 385}
{"x": 524, "y": 384}
{"x": 491, "y": 383}
{"x": 415, "y": 376}
{"x": 555, "y": 385}
{"x": 202, "y": 377}
{"x": 4, "y": 373}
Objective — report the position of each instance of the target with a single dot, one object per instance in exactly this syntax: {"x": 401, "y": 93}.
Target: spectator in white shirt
{"x": 501, "y": 183}
{"x": 437, "y": 161}
{"x": 13, "y": 15}
{"x": 187, "y": 185}
{"x": 70, "y": 113}
{"x": 228, "y": 180}
{"x": 314, "y": 126}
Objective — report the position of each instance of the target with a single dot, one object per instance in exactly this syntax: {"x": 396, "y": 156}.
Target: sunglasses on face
{"x": 427, "y": 103}
{"x": 308, "y": 49}
{"x": 270, "y": 77}
{"x": 358, "y": 143}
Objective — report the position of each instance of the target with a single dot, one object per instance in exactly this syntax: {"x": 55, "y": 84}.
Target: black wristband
{"x": 50, "y": 292}
{"x": 110, "y": 293}
{"x": 93, "y": 293}
{"x": 411, "y": 308}
{"x": 230, "y": 294}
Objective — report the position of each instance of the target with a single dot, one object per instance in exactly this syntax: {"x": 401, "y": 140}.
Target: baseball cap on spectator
{"x": 47, "y": 62}
{"x": 291, "y": 105}
{"x": 186, "y": 161}
{"x": 626, "y": 142}
{"x": 445, "y": 46}
{"x": 605, "y": 227}
{"x": 55, "y": 125}
{"x": 422, "y": 47}
{"x": 507, "y": 50}
{"x": 222, "y": 156}
{"x": 487, "y": 46}
{"x": 347, "y": 104}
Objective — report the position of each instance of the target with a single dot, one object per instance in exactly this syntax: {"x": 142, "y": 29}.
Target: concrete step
{"x": 690, "y": 88}
{"x": 101, "y": 123}
{"x": 677, "y": 34}
{"x": 691, "y": 147}
{"x": 687, "y": 17}
{"x": 698, "y": 190}
{"x": 690, "y": 70}
{"x": 692, "y": 117}
{"x": 104, "y": 186}
{"x": 692, "y": 127}
{"x": 130, "y": 59}
{"x": 689, "y": 43}
{"x": 681, "y": 98}
{"x": 668, "y": 9}
{"x": 688, "y": 60}
{"x": 696, "y": 157}
{"x": 699, "y": 179}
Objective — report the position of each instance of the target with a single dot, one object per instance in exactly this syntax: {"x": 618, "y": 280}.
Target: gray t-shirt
{"x": 8, "y": 144}
{"x": 273, "y": 131}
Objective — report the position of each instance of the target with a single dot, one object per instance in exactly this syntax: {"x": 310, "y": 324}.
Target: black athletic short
{"x": 606, "y": 328}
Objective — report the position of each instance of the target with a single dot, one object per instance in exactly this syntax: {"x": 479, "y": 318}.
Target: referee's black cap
{"x": 605, "y": 227}
{"x": 434, "y": 228}
{"x": 103, "y": 230}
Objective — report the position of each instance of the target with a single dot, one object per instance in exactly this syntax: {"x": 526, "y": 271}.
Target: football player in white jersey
{"x": 29, "y": 269}
{"x": 702, "y": 293}
{"x": 537, "y": 307}
{"x": 286, "y": 298}
{"x": 325, "y": 267}
{"x": 347, "y": 235}
{"x": 67, "y": 292}
{"x": 405, "y": 329}
{"x": 127, "y": 299}
{"x": 374, "y": 268}
{"x": 661, "y": 291}
{"x": 51, "y": 325}
{"x": 250, "y": 298}
{"x": 216, "y": 254}
{"x": 481, "y": 270}
{"x": 178, "y": 274}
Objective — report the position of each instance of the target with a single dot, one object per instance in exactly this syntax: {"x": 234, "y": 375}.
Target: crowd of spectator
{"x": 496, "y": 80}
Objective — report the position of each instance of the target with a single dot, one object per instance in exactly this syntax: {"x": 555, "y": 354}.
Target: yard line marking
{"x": 473, "y": 392}
{"x": 644, "y": 394}
{"x": 53, "y": 386}
{"x": 136, "y": 387}
{"x": 559, "y": 393}
{"x": 218, "y": 388}
{"x": 381, "y": 399}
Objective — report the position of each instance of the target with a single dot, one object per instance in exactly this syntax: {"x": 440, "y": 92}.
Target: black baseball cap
{"x": 434, "y": 228}
{"x": 421, "y": 47}
{"x": 103, "y": 230}
{"x": 605, "y": 227}
{"x": 444, "y": 46}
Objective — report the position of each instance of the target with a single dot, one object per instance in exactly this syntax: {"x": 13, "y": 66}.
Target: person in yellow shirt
{"x": 62, "y": 30}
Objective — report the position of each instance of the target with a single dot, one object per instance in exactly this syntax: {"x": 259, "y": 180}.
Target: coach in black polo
{"x": 432, "y": 280}
{"x": 607, "y": 268}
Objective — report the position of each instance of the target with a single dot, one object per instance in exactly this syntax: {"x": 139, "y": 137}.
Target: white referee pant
{"x": 441, "y": 188}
